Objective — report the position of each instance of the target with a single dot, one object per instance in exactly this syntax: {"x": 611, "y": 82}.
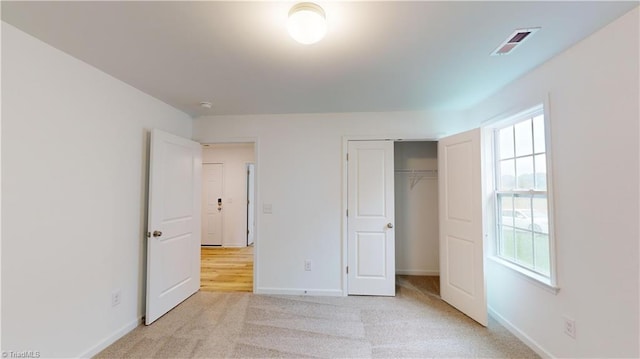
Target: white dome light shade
{"x": 307, "y": 23}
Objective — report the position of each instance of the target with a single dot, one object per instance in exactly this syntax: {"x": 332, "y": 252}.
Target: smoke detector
{"x": 206, "y": 104}
{"x": 514, "y": 40}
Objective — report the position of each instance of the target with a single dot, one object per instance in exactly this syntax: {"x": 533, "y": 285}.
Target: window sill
{"x": 531, "y": 277}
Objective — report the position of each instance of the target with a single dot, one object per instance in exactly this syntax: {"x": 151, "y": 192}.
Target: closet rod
{"x": 415, "y": 171}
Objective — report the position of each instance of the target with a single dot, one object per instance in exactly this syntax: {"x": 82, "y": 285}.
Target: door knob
{"x": 389, "y": 225}
{"x": 157, "y": 233}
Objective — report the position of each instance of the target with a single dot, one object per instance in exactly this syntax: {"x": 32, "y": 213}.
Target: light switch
{"x": 267, "y": 208}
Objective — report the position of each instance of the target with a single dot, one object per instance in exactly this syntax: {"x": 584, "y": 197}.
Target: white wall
{"x": 416, "y": 202}
{"x": 299, "y": 172}
{"x": 234, "y": 157}
{"x": 74, "y": 157}
{"x": 594, "y": 112}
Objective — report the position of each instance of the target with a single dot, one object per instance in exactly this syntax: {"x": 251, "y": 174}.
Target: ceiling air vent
{"x": 514, "y": 40}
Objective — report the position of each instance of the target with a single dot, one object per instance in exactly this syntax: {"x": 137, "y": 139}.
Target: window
{"x": 521, "y": 195}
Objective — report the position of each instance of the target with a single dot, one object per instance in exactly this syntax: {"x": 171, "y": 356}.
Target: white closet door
{"x": 462, "y": 281}
{"x": 371, "y": 242}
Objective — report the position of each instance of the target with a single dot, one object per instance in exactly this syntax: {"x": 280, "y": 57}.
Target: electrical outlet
{"x": 116, "y": 297}
{"x": 570, "y": 327}
{"x": 307, "y": 264}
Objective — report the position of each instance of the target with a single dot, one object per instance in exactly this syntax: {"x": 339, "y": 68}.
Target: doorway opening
{"x": 228, "y": 212}
{"x": 417, "y": 250}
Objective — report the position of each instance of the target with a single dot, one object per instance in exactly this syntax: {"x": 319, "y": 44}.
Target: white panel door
{"x": 251, "y": 197}
{"x": 173, "y": 243}
{"x": 212, "y": 203}
{"x": 462, "y": 281}
{"x": 370, "y": 243}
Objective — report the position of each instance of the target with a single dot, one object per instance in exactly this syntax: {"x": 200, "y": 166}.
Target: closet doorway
{"x": 416, "y": 208}
{"x": 392, "y": 214}
{"x": 228, "y": 229}
{"x": 458, "y": 219}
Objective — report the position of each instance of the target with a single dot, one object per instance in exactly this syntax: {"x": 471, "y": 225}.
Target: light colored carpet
{"x": 414, "y": 324}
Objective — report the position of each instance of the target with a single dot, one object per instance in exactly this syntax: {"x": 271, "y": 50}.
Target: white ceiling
{"x": 377, "y": 56}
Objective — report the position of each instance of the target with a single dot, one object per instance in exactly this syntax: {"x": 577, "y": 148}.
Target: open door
{"x": 462, "y": 281}
{"x": 173, "y": 238}
{"x": 371, "y": 237}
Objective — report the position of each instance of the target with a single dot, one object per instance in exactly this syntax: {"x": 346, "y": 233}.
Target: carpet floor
{"x": 414, "y": 324}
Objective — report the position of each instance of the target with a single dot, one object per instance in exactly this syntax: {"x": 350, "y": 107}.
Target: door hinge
{"x": 347, "y": 213}
{"x": 347, "y": 269}
{"x": 347, "y": 157}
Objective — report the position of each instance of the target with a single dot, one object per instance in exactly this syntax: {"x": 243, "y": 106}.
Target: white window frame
{"x": 550, "y": 282}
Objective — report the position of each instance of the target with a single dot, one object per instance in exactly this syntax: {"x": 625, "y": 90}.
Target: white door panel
{"x": 371, "y": 242}
{"x": 173, "y": 243}
{"x": 371, "y": 248}
{"x": 462, "y": 281}
{"x": 370, "y": 182}
{"x": 212, "y": 175}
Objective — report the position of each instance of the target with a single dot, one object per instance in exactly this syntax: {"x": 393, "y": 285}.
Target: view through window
{"x": 521, "y": 194}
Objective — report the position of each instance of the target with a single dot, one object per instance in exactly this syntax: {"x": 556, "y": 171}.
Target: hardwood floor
{"x": 429, "y": 285}
{"x": 226, "y": 269}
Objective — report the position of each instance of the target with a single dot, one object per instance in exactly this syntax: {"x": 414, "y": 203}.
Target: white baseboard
{"x": 111, "y": 338}
{"x": 296, "y": 291}
{"x": 520, "y": 334}
{"x": 417, "y": 272}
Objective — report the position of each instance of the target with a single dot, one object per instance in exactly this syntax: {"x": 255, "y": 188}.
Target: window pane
{"x": 541, "y": 248}
{"x": 538, "y": 134}
{"x": 524, "y": 172}
{"x": 507, "y": 243}
{"x": 524, "y": 248}
{"x": 507, "y": 175}
{"x": 522, "y": 218}
{"x": 522, "y": 202}
{"x": 524, "y": 138}
{"x": 506, "y": 142}
{"x": 541, "y": 172}
{"x": 506, "y": 210}
{"x": 540, "y": 215}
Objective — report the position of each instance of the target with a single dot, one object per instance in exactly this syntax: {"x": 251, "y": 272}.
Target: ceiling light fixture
{"x": 307, "y": 23}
